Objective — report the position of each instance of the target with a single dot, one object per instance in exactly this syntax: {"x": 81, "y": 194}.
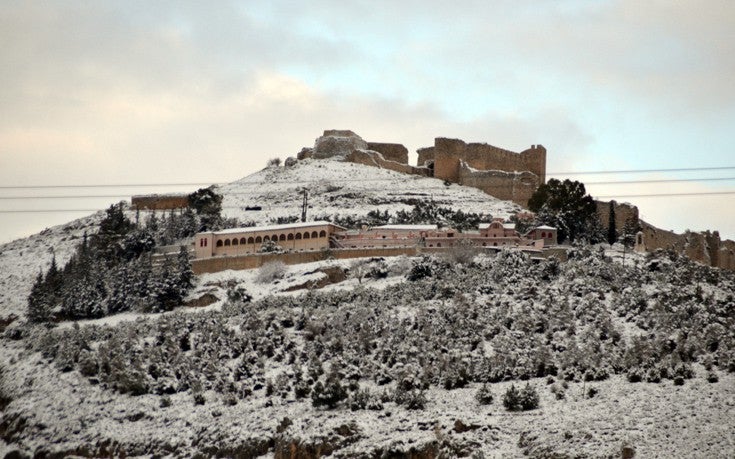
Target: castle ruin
{"x": 500, "y": 173}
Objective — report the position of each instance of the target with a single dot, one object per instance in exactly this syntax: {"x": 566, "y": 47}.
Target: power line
{"x": 663, "y": 195}
{"x": 631, "y": 182}
{"x": 643, "y": 171}
{"x": 105, "y": 185}
{"x": 613, "y": 182}
{"x": 644, "y": 195}
{"x": 133, "y": 185}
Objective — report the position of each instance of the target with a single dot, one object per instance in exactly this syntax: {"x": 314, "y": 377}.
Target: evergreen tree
{"x": 151, "y": 222}
{"x": 564, "y": 205}
{"x": 612, "y": 232}
{"x": 630, "y": 229}
{"x": 166, "y": 288}
{"x": 208, "y": 206}
{"x": 38, "y": 307}
{"x": 186, "y": 275}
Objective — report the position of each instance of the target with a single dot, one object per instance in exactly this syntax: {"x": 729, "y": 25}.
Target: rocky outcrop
{"x": 305, "y": 153}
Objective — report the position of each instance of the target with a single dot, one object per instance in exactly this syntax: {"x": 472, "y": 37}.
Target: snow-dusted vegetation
{"x": 575, "y": 332}
{"x": 460, "y": 355}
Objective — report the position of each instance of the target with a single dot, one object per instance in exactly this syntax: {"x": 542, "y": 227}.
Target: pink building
{"x": 297, "y": 237}
{"x": 543, "y": 233}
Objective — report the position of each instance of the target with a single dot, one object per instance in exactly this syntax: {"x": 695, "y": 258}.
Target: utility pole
{"x": 305, "y": 205}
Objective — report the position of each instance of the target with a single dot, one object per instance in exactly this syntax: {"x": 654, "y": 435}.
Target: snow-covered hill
{"x": 409, "y": 342}
{"x": 335, "y": 188}
{"x": 342, "y": 188}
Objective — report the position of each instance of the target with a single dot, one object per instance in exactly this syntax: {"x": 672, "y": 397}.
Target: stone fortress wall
{"x": 501, "y": 173}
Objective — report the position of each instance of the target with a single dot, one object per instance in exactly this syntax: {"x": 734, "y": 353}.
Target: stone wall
{"x": 211, "y": 265}
{"x": 426, "y": 155}
{"x": 390, "y": 151}
{"x": 501, "y": 173}
{"x": 375, "y": 159}
{"x": 705, "y": 247}
{"x": 509, "y": 186}
{"x": 449, "y": 152}
{"x": 160, "y": 201}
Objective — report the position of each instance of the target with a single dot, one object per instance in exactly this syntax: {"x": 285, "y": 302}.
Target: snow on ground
{"x": 659, "y": 420}
{"x": 335, "y": 187}
{"x": 21, "y": 260}
{"x": 343, "y": 188}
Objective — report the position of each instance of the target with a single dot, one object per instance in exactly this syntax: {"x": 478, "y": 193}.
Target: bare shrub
{"x": 271, "y": 272}
{"x": 274, "y": 162}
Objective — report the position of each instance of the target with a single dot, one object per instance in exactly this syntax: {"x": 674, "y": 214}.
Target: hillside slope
{"x": 380, "y": 358}
{"x": 342, "y": 188}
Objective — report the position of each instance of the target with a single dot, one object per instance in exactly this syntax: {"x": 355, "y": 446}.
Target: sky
{"x": 96, "y": 94}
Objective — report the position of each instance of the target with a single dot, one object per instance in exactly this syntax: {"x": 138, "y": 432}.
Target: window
{"x": 243, "y": 241}
{"x": 219, "y": 243}
{"x": 290, "y": 236}
{"x": 543, "y": 234}
{"x": 234, "y": 241}
{"x": 274, "y": 238}
{"x": 298, "y": 236}
{"x": 322, "y": 233}
{"x": 266, "y": 238}
{"x": 306, "y": 235}
{"x": 282, "y": 237}
{"x": 227, "y": 242}
{"x": 314, "y": 235}
{"x": 251, "y": 240}
{"x": 438, "y": 244}
{"x": 205, "y": 243}
{"x": 258, "y": 240}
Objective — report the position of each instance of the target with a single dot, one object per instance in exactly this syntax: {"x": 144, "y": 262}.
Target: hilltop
{"x": 339, "y": 188}
{"x": 379, "y": 357}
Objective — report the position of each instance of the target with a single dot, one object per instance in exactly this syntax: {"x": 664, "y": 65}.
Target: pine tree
{"x": 38, "y": 308}
{"x": 185, "y": 273}
{"x": 612, "y": 232}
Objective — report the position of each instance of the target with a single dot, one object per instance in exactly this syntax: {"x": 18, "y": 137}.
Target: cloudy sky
{"x": 128, "y": 92}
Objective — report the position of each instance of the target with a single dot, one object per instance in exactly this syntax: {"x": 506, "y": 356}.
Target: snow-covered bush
{"x": 523, "y": 400}
{"x": 484, "y": 395}
{"x": 271, "y": 272}
{"x": 329, "y": 394}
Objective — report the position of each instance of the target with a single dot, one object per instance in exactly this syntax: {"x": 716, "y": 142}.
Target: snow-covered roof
{"x": 545, "y": 227}
{"x": 509, "y": 226}
{"x": 407, "y": 227}
{"x": 288, "y": 226}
